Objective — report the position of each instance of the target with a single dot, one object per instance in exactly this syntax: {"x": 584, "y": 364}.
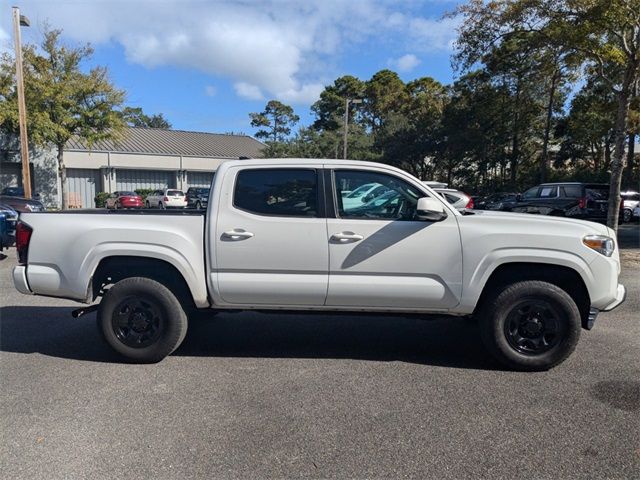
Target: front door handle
{"x": 237, "y": 234}
{"x": 344, "y": 237}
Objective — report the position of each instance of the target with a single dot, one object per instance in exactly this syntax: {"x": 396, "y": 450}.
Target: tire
{"x": 198, "y": 205}
{"x": 158, "y": 327}
{"x": 627, "y": 215}
{"x": 115, "y": 206}
{"x": 530, "y": 325}
{"x": 161, "y": 206}
{"x": 147, "y": 205}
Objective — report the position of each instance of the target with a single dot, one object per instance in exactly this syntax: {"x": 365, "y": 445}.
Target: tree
{"x": 62, "y": 101}
{"x": 601, "y": 33}
{"x": 135, "y": 117}
{"x": 278, "y": 119}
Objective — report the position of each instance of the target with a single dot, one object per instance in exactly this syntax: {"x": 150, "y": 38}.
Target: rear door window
{"x": 572, "y": 191}
{"x": 283, "y": 192}
{"x": 548, "y": 191}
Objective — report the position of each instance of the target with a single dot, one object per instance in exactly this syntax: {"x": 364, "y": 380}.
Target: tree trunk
{"x": 617, "y": 163}
{"x": 63, "y": 177}
{"x": 515, "y": 146}
{"x": 544, "y": 160}
{"x": 631, "y": 152}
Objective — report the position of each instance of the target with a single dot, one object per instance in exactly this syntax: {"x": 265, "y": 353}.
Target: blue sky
{"x": 206, "y": 65}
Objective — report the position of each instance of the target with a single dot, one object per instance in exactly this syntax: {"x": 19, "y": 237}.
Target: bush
{"x": 143, "y": 192}
{"x": 101, "y": 199}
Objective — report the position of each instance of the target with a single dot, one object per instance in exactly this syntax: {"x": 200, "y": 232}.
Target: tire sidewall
{"x": 495, "y": 317}
{"x": 174, "y": 319}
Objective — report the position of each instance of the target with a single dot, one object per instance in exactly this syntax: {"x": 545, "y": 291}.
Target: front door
{"x": 271, "y": 238}
{"x": 381, "y": 256}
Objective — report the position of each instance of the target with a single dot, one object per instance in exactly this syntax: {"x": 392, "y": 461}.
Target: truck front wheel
{"x": 530, "y": 325}
{"x": 142, "y": 320}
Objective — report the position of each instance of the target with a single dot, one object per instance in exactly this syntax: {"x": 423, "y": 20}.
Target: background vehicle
{"x": 587, "y": 201}
{"x": 197, "y": 197}
{"x": 10, "y": 220}
{"x": 280, "y": 237}
{"x": 459, "y": 200}
{"x": 497, "y": 201}
{"x": 20, "y": 204}
{"x": 123, "y": 200}
{"x": 18, "y": 192}
{"x": 169, "y": 198}
{"x": 630, "y": 200}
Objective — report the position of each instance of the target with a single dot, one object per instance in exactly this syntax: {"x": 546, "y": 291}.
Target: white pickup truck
{"x": 277, "y": 236}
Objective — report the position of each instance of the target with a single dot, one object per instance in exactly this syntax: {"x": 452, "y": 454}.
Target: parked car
{"x": 21, "y": 204}
{"x": 585, "y": 201}
{"x": 18, "y": 192}
{"x": 123, "y": 199}
{"x": 277, "y": 240}
{"x": 10, "y": 220}
{"x": 168, "y": 198}
{"x": 497, "y": 201}
{"x": 459, "y": 200}
{"x": 362, "y": 194}
{"x": 198, "y": 197}
{"x": 630, "y": 200}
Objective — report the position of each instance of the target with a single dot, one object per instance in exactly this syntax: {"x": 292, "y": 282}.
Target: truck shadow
{"x": 447, "y": 342}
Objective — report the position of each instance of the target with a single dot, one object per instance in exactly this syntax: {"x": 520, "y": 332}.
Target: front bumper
{"x": 20, "y": 280}
{"x": 621, "y": 295}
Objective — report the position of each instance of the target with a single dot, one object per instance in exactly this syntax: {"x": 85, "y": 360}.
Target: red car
{"x": 124, "y": 200}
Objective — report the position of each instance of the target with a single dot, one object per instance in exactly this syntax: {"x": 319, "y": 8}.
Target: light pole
{"x": 18, "y": 21}
{"x": 347, "y": 101}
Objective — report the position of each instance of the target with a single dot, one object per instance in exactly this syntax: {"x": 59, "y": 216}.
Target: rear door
{"x": 270, "y": 237}
{"x": 381, "y": 256}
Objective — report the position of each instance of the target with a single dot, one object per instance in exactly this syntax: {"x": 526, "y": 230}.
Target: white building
{"x": 143, "y": 158}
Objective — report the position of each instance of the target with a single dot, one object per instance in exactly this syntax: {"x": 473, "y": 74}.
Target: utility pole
{"x": 18, "y": 21}
{"x": 346, "y": 122}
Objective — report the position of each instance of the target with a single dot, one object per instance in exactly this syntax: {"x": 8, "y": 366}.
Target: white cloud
{"x": 306, "y": 95}
{"x": 405, "y": 63}
{"x": 5, "y": 41}
{"x": 434, "y": 35}
{"x": 210, "y": 91}
{"x": 248, "y": 91}
{"x": 273, "y": 48}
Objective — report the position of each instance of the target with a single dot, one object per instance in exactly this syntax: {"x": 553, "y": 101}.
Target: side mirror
{"x": 519, "y": 197}
{"x": 430, "y": 210}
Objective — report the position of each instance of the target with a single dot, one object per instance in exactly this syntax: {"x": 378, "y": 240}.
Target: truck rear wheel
{"x": 530, "y": 325}
{"x": 142, "y": 320}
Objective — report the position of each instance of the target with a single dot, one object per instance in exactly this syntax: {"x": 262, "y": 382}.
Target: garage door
{"x": 82, "y": 186}
{"x": 199, "y": 179}
{"x": 152, "y": 179}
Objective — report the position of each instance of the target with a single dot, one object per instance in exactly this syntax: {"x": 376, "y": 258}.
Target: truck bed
{"x": 67, "y": 247}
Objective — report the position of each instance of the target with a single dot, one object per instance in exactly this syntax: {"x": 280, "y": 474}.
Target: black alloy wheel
{"x": 533, "y": 327}
{"x": 137, "y": 322}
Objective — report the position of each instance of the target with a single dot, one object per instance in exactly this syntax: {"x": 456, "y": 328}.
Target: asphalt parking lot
{"x": 251, "y": 395}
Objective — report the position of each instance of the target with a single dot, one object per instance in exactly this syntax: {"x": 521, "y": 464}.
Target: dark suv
{"x": 197, "y": 197}
{"x": 587, "y": 201}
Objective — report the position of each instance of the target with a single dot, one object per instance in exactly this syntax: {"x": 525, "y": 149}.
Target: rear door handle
{"x": 237, "y": 234}
{"x": 344, "y": 237}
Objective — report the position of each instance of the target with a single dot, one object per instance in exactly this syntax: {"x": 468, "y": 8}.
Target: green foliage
{"x": 101, "y": 199}
{"x": 135, "y": 117}
{"x": 277, "y": 118}
{"x": 143, "y": 192}
{"x": 62, "y": 100}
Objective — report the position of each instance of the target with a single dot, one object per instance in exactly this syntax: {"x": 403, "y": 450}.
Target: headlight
{"x": 600, "y": 243}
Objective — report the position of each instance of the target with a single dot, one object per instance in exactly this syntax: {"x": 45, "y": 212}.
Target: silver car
{"x": 458, "y": 200}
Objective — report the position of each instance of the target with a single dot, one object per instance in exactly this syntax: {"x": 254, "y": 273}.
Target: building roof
{"x": 176, "y": 142}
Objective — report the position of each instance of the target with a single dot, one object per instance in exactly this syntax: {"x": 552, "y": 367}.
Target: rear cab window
{"x": 282, "y": 192}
